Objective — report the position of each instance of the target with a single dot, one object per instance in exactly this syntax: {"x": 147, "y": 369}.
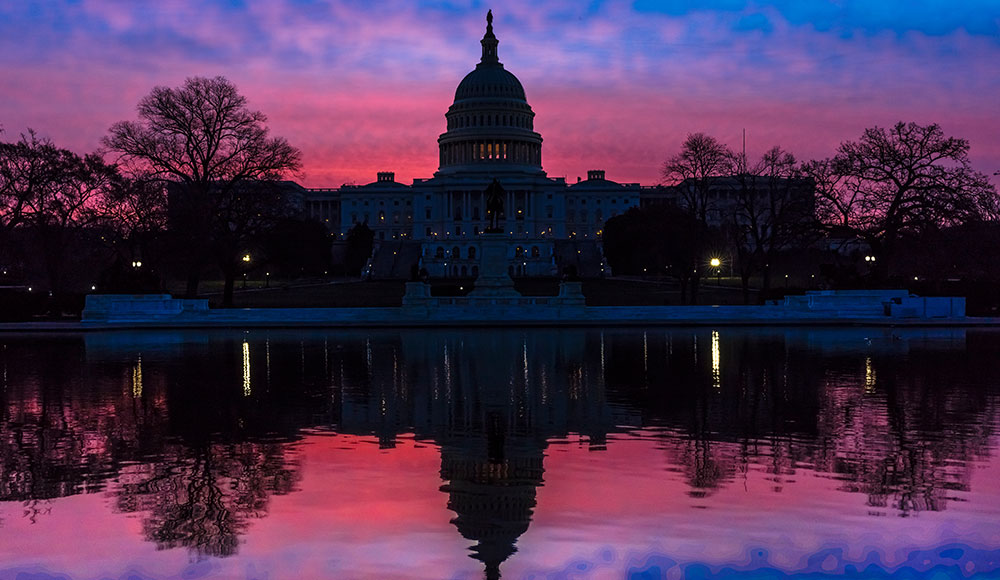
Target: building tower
{"x": 490, "y": 125}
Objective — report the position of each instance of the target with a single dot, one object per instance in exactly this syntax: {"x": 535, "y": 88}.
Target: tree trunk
{"x": 745, "y": 286}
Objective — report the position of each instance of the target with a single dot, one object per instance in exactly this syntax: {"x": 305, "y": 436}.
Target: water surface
{"x": 680, "y": 453}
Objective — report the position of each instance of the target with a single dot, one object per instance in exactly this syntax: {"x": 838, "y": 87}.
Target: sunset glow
{"x": 363, "y": 88}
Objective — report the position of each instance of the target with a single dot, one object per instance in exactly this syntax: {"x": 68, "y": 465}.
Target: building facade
{"x": 438, "y": 221}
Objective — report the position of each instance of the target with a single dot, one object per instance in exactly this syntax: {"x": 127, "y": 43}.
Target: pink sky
{"x": 364, "y": 88}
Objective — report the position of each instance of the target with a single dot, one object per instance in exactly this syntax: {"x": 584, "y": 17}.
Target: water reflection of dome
{"x": 491, "y": 488}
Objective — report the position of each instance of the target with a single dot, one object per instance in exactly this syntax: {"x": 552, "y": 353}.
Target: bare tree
{"x": 838, "y": 197}
{"x": 53, "y": 194}
{"x": 134, "y": 219}
{"x": 243, "y": 220}
{"x": 909, "y": 178}
{"x": 774, "y": 212}
{"x": 700, "y": 159}
{"x": 23, "y": 171}
{"x": 204, "y": 139}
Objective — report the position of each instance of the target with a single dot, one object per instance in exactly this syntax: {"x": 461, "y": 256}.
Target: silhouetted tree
{"x": 54, "y": 194}
{"x": 906, "y": 179}
{"x": 243, "y": 218}
{"x": 700, "y": 159}
{"x": 203, "y": 138}
{"x": 774, "y": 212}
{"x": 663, "y": 238}
{"x": 133, "y": 218}
{"x": 22, "y": 170}
{"x": 838, "y": 197}
{"x": 360, "y": 240}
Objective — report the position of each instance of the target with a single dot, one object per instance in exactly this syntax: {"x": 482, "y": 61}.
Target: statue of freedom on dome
{"x": 494, "y": 205}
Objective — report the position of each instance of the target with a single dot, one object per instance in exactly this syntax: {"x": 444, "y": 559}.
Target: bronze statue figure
{"x": 495, "y": 195}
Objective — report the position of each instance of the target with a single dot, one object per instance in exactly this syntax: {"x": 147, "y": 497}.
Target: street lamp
{"x": 246, "y": 260}
{"x": 717, "y": 263}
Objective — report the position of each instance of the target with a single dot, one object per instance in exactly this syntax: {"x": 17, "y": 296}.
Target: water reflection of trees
{"x": 203, "y": 498}
{"x": 192, "y": 431}
{"x": 180, "y": 444}
{"x": 896, "y": 416}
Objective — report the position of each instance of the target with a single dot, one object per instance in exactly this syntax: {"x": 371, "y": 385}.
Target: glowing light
{"x": 246, "y": 258}
{"x": 246, "y": 369}
{"x": 137, "y": 378}
{"x": 869, "y": 376}
{"x": 716, "y": 361}
{"x": 715, "y": 262}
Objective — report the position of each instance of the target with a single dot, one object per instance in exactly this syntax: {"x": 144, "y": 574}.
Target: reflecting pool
{"x": 638, "y": 453}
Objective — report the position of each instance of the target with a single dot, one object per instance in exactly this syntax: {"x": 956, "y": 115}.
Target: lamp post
{"x": 717, "y": 264}
{"x": 246, "y": 263}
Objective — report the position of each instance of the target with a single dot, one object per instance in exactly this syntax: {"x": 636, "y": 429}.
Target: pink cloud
{"x": 362, "y": 89}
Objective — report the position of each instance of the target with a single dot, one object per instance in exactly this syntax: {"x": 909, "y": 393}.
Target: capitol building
{"x": 436, "y": 223}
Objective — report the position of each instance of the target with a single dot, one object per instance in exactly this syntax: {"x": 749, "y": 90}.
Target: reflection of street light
{"x": 715, "y": 263}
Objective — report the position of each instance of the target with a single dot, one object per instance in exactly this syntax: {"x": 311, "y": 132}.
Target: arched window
{"x": 472, "y": 252}
{"x": 535, "y": 252}
{"x": 439, "y": 253}
{"x": 518, "y": 252}
{"x": 465, "y": 271}
{"x": 455, "y": 254}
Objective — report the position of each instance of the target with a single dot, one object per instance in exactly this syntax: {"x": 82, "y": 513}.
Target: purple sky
{"x": 362, "y": 88}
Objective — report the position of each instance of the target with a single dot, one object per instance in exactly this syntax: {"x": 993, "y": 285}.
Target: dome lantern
{"x": 489, "y": 42}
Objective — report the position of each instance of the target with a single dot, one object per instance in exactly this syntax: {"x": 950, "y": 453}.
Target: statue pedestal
{"x": 494, "y": 280}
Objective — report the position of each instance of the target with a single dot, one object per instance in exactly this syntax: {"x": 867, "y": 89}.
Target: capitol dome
{"x": 490, "y": 124}
{"x": 490, "y": 80}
